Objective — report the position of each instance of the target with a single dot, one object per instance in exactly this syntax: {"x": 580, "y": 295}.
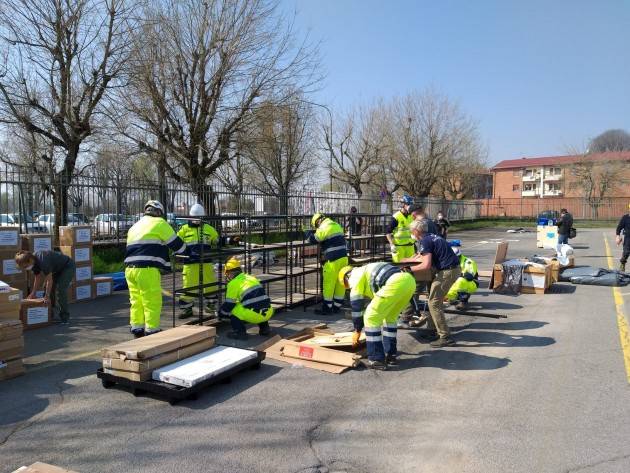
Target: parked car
{"x": 112, "y": 224}
{"x": 13, "y": 220}
{"x": 47, "y": 221}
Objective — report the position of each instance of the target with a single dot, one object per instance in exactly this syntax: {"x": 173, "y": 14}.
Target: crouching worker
{"x": 53, "y": 272}
{"x": 467, "y": 284}
{"x": 245, "y": 302}
{"x": 386, "y": 290}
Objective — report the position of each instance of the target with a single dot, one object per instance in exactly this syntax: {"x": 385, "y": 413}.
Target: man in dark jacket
{"x": 623, "y": 228}
{"x": 565, "y": 223}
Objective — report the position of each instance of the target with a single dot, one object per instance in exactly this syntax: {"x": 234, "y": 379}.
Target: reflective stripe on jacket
{"x": 330, "y": 236}
{"x": 402, "y": 234}
{"x": 197, "y": 240}
{"x": 245, "y": 291}
{"x": 148, "y": 242}
{"x": 366, "y": 281}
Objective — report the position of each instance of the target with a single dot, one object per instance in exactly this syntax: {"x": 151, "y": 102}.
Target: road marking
{"x": 622, "y": 323}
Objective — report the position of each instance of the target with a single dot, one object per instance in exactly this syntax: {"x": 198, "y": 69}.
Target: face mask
{"x": 28, "y": 268}
{"x": 414, "y": 237}
{"x": 440, "y": 216}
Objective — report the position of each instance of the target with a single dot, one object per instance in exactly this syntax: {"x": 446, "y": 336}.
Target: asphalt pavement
{"x": 544, "y": 390}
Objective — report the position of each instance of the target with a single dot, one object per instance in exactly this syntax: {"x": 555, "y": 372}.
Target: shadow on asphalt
{"x": 453, "y": 359}
{"x": 29, "y": 394}
{"x": 562, "y": 289}
{"x": 524, "y": 325}
{"x": 478, "y": 338}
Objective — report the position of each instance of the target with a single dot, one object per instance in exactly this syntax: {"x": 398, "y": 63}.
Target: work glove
{"x": 393, "y": 249}
{"x": 355, "y": 339}
{"x": 468, "y": 276}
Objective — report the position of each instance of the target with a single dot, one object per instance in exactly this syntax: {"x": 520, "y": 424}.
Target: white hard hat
{"x": 155, "y": 204}
{"x": 197, "y": 210}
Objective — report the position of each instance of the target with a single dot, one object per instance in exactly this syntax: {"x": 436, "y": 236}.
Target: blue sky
{"x": 539, "y": 76}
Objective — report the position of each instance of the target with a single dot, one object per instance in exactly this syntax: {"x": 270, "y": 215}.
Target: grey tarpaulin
{"x": 588, "y": 275}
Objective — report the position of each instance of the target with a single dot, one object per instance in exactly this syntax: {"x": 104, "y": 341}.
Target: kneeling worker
{"x": 387, "y": 290}
{"x": 148, "y": 242}
{"x": 465, "y": 285}
{"x": 329, "y": 234}
{"x": 245, "y": 302}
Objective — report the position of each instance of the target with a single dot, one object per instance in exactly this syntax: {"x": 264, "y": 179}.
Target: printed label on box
{"x": 42, "y": 244}
{"x": 83, "y": 274}
{"x": 306, "y": 352}
{"x": 15, "y": 297}
{"x": 534, "y": 280}
{"x": 3, "y": 364}
{"x": 36, "y": 315}
{"x": 81, "y": 255}
{"x": 83, "y": 292}
{"x": 103, "y": 288}
{"x": 83, "y": 235}
{"x": 40, "y": 294}
{"x": 10, "y": 267}
{"x": 8, "y": 238}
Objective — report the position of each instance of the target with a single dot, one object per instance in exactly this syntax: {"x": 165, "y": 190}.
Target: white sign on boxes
{"x": 9, "y": 237}
{"x": 10, "y": 267}
{"x": 83, "y": 273}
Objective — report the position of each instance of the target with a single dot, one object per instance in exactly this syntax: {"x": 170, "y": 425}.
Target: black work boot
{"x": 376, "y": 365}
{"x": 186, "y": 313}
{"x": 622, "y": 267}
{"x": 137, "y": 332}
{"x": 325, "y": 310}
{"x": 391, "y": 360}
{"x": 237, "y": 335}
{"x": 264, "y": 330}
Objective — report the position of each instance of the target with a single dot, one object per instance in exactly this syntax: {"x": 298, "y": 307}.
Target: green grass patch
{"x": 108, "y": 260}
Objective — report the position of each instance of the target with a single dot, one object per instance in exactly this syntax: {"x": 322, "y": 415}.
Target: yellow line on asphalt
{"x": 622, "y": 322}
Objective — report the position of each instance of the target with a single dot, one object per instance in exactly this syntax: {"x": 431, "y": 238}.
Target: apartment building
{"x": 553, "y": 176}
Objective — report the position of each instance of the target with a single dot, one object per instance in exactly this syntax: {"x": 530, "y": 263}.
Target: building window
{"x": 554, "y": 187}
{"x": 529, "y": 187}
{"x": 515, "y": 187}
{"x": 516, "y": 173}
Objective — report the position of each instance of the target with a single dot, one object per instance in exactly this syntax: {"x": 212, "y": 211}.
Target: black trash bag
{"x": 512, "y": 278}
{"x": 581, "y": 271}
{"x": 609, "y": 278}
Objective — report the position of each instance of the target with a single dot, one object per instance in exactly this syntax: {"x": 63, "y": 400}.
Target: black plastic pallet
{"x": 171, "y": 392}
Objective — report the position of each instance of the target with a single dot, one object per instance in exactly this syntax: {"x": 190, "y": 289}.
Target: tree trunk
{"x": 206, "y": 195}
{"x": 161, "y": 172}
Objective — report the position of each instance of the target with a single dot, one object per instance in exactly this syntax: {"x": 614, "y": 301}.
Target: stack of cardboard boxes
{"x": 11, "y": 339}
{"x": 137, "y": 359}
{"x": 76, "y": 242}
{"x": 9, "y": 245}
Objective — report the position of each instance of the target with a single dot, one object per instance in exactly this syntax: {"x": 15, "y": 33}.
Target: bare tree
{"x": 61, "y": 57}
{"x": 461, "y": 175}
{"x": 358, "y": 150}
{"x": 428, "y": 131}
{"x": 279, "y": 143}
{"x": 200, "y": 69}
{"x": 596, "y": 179}
{"x": 610, "y": 140}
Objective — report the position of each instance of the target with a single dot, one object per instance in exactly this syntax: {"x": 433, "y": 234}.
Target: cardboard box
{"x": 42, "y": 468}
{"x": 35, "y": 314}
{"x": 556, "y": 267}
{"x": 102, "y": 286}
{"x": 78, "y": 292}
{"x": 10, "y": 329}
{"x": 11, "y": 349}
{"x": 11, "y": 369}
{"x": 206, "y": 365}
{"x": 536, "y": 280}
{"x": 547, "y": 236}
{"x": 8, "y": 267}
{"x": 161, "y": 342}
{"x": 82, "y": 274}
{"x": 80, "y": 254}
{"x": 130, "y": 375}
{"x": 342, "y": 361}
{"x": 12, "y": 295}
{"x": 10, "y": 310}
{"x": 163, "y": 359}
{"x": 22, "y": 287}
{"x": 36, "y": 242}
{"x": 9, "y": 239}
{"x": 75, "y": 236}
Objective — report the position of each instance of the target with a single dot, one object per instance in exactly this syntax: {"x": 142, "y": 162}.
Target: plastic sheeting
{"x": 587, "y": 275}
{"x": 512, "y": 277}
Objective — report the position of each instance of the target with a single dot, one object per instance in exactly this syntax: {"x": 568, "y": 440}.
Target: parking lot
{"x": 545, "y": 390}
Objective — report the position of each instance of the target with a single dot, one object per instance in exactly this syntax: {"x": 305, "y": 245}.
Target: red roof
{"x": 558, "y": 160}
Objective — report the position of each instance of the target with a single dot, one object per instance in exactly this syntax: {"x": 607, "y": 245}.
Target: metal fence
{"x": 112, "y": 205}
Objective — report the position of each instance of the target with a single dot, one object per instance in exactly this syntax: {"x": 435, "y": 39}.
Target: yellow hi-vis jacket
{"x": 148, "y": 242}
